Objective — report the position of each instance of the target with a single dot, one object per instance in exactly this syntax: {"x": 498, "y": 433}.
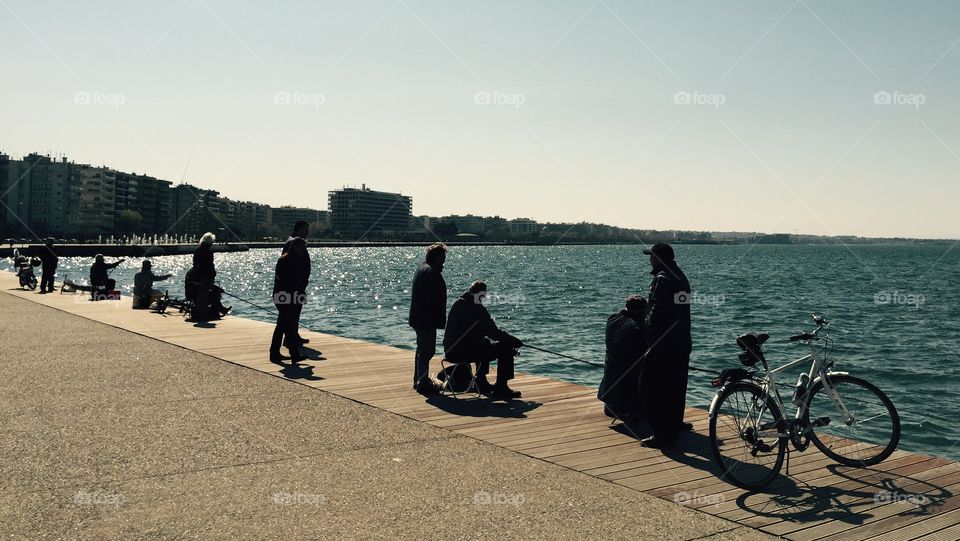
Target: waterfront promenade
{"x": 129, "y": 424}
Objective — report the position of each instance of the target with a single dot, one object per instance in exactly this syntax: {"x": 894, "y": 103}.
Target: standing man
{"x": 48, "y": 264}
{"x": 667, "y": 362}
{"x": 289, "y": 293}
{"x": 428, "y": 312}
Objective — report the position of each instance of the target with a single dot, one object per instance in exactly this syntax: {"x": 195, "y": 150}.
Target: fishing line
{"x": 250, "y": 303}
{"x": 592, "y": 363}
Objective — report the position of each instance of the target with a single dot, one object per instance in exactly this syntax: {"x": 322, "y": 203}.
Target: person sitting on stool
{"x": 626, "y": 341}
{"x": 99, "y": 277}
{"x": 143, "y": 292}
{"x": 470, "y": 337}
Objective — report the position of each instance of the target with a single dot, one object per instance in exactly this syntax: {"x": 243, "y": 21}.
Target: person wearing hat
{"x": 48, "y": 264}
{"x": 99, "y": 277}
{"x": 626, "y": 340}
{"x": 667, "y": 360}
{"x": 143, "y": 290}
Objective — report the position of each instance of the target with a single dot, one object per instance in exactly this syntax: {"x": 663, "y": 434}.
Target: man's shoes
{"x": 686, "y": 427}
{"x": 483, "y": 386}
{"x": 504, "y": 393}
{"x": 43, "y": 292}
{"x": 277, "y": 357}
{"x": 304, "y": 340}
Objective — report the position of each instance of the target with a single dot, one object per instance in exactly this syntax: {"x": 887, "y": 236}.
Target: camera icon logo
{"x": 681, "y": 297}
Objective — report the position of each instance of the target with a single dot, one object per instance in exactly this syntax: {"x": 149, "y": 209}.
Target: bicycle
{"x": 837, "y": 412}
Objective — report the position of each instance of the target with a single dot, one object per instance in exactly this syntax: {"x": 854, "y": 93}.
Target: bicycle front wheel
{"x": 853, "y": 423}
{"x": 744, "y": 435}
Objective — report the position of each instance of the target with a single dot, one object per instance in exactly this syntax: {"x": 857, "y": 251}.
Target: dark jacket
{"x": 428, "y": 298}
{"x": 469, "y": 327}
{"x": 668, "y": 311}
{"x": 626, "y": 343}
{"x": 292, "y": 273}
{"x": 48, "y": 260}
{"x": 98, "y": 272}
{"x": 203, "y": 269}
{"x": 663, "y": 379}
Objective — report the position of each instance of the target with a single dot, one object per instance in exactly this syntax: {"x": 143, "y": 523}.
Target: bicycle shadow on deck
{"x": 850, "y": 500}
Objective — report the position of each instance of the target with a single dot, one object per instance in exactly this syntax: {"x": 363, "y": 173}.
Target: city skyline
{"x": 774, "y": 117}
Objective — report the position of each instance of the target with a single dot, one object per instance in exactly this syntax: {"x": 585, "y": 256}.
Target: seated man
{"x": 99, "y": 278}
{"x": 469, "y": 337}
{"x": 626, "y": 343}
{"x": 143, "y": 291}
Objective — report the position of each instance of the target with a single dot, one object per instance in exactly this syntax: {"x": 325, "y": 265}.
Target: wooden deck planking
{"x": 563, "y": 423}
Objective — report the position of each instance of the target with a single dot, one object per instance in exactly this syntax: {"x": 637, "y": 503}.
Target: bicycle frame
{"x": 817, "y": 373}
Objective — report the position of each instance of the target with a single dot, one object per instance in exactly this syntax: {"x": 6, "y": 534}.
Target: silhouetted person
{"x": 472, "y": 336}
{"x": 428, "y": 312}
{"x": 143, "y": 291}
{"x": 301, "y": 230}
{"x": 99, "y": 275}
{"x": 626, "y": 340}
{"x": 201, "y": 276}
{"x": 48, "y": 264}
{"x": 667, "y": 362}
{"x": 291, "y": 276}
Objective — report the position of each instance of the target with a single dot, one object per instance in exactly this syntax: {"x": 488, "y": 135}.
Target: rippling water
{"x": 559, "y": 297}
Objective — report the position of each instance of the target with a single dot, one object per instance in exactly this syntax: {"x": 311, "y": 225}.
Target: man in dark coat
{"x": 48, "y": 264}
{"x": 99, "y": 277}
{"x": 668, "y": 359}
{"x": 201, "y": 276}
{"x": 289, "y": 293}
{"x": 428, "y": 312}
{"x": 626, "y": 341}
{"x": 473, "y": 336}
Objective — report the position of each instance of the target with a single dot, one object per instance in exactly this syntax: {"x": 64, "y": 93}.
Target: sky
{"x": 821, "y": 117}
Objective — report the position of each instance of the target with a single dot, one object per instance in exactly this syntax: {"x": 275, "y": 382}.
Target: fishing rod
{"x": 250, "y": 303}
{"x": 592, "y": 363}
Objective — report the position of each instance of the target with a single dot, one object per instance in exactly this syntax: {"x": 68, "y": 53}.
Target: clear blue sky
{"x": 584, "y": 123}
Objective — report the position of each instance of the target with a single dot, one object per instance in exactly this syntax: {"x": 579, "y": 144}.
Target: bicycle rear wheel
{"x": 744, "y": 436}
{"x": 862, "y": 425}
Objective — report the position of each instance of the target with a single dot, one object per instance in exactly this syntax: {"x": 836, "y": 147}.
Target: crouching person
{"x": 472, "y": 336}
{"x": 626, "y": 342}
